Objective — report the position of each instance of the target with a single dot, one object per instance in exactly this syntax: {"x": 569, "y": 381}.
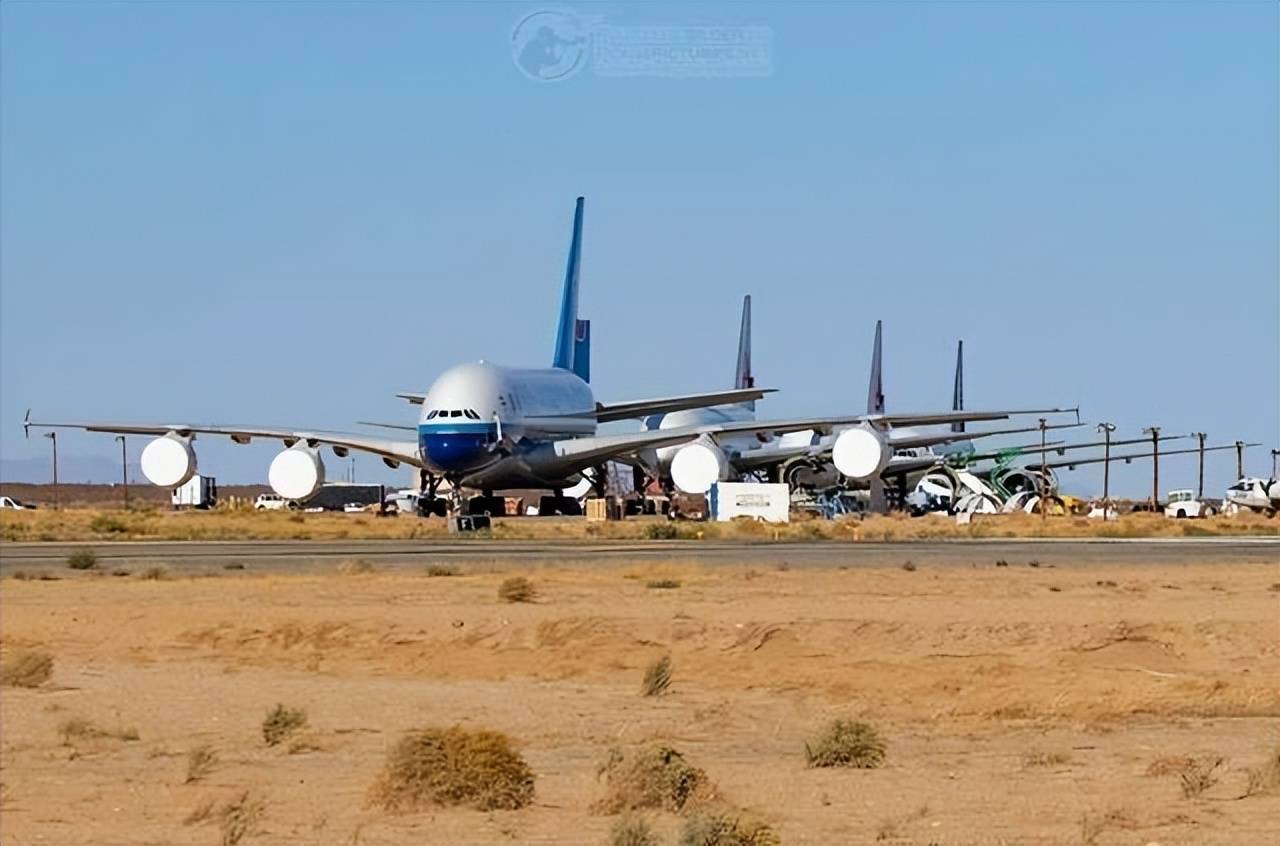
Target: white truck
{"x": 198, "y": 492}
{"x": 1183, "y": 503}
{"x": 10, "y": 504}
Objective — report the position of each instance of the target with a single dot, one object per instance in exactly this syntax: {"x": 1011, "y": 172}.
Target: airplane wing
{"x": 932, "y": 439}
{"x": 416, "y": 399}
{"x": 608, "y": 412}
{"x": 391, "y": 451}
{"x": 825, "y": 425}
{"x": 1071, "y": 464}
{"x": 585, "y": 451}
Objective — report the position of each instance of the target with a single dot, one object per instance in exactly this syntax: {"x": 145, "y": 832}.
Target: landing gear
{"x": 493, "y": 506}
{"x": 559, "y": 505}
{"x": 428, "y": 503}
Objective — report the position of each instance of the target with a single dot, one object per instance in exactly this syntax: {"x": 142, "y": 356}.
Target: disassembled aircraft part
{"x": 169, "y": 461}
{"x": 297, "y": 472}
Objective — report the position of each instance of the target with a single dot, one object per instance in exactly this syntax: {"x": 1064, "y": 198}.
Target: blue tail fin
{"x": 957, "y": 393}
{"x": 582, "y": 350}
{"x": 566, "y": 330}
{"x": 875, "y": 390}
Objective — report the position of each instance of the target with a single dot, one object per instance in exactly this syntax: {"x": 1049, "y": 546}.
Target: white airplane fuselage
{"x": 486, "y": 423}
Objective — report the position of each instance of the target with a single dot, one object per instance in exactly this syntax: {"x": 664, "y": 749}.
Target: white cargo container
{"x": 769, "y": 502}
{"x": 196, "y": 492}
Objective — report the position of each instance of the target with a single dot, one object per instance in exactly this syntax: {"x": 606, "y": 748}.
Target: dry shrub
{"x": 1169, "y": 765}
{"x": 281, "y": 722}
{"x": 440, "y": 570}
{"x": 239, "y": 818}
{"x": 453, "y": 766}
{"x": 657, "y": 677}
{"x": 1265, "y": 779}
{"x": 27, "y": 669}
{"x": 654, "y": 776}
{"x": 1039, "y": 758}
{"x": 200, "y": 761}
{"x": 1200, "y": 776}
{"x": 663, "y": 584}
{"x": 1093, "y": 826}
{"x": 632, "y": 830}
{"x": 157, "y": 573}
{"x": 359, "y": 567}
{"x": 727, "y": 827}
{"x": 82, "y": 559}
{"x": 79, "y": 728}
{"x": 517, "y": 589}
{"x": 846, "y": 743}
{"x": 199, "y": 813}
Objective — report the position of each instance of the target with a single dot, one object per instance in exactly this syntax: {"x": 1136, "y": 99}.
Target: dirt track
{"x": 1022, "y": 704}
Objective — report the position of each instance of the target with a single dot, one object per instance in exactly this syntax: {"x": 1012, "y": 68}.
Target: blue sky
{"x": 284, "y": 213}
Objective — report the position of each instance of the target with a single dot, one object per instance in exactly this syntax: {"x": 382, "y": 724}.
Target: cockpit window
{"x": 455, "y": 413}
{"x": 471, "y": 413}
{"x": 432, "y": 415}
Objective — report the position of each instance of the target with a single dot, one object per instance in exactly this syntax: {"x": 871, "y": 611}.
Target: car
{"x": 8, "y": 502}
{"x": 273, "y": 502}
{"x": 1183, "y": 503}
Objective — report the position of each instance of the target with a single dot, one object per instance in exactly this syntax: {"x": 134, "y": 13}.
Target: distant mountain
{"x": 71, "y": 468}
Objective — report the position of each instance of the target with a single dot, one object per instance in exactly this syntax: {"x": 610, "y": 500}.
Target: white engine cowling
{"x": 297, "y": 472}
{"x": 169, "y": 461}
{"x": 696, "y": 467}
{"x": 860, "y": 453}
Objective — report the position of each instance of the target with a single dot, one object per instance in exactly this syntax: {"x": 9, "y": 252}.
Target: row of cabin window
{"x": 454, "y": 412}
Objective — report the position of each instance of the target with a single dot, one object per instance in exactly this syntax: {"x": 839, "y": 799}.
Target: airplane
{"x": 482, "y": 425}
{"x": 745, "y": 451}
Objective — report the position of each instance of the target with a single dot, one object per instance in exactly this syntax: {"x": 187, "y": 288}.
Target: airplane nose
{"x": 456, "y": 451}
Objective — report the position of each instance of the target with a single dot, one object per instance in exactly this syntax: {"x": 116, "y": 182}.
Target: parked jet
{"x": 861, "y": 448}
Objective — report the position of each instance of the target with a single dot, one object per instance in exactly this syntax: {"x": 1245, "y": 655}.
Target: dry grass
{"x": 663, "y": 584}
{"x": 157, "y": 573}
{"x": 1040, "y": 758}
{"x": 200, "y": 762}
{"x": 239, "y": 818}
{"x": 632, "y": 830}
{"x": 1265, "y": 780}
{"x": 200, "y": 813}
{"x": 517, "y": 589}
{"x": 78, "y": 729}
{"x": 27, "y": 669}
{"x": 281, "y": 722}
{"x": 657, "y": 677}
{"x": 89, "y": 524}
{"x": 358, "y": 567}
{"x": 1200, "y": 776}
{"x": 654, "y": 776}
{"x": 846, "y": 743}
{"x": 442, "y": 570}
{"x": 727, "y": 827}
{"x": 454, "y": 766}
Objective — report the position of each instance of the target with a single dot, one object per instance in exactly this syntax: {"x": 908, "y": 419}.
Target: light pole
{"x": 53, "y": 436}
{"x": 1106, "y": 429}
{"x": 124, "y": 469}
{"x": 1154, "y": 432}
{"x": 1044, "y": 476}
{"x": 1200, "y": 436}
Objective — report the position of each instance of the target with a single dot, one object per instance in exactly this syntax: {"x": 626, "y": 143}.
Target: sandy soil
{"x": 1021, "y": 705}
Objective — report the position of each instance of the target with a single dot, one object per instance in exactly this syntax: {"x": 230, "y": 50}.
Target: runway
{"x": 320, "y": 556}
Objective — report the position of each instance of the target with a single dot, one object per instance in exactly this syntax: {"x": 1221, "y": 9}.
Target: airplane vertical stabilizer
{"x": 957, "y": 394}
{"x": 743, "y": 378}
{"x": 875, "y": 391}
{"x": 567, "y": 329}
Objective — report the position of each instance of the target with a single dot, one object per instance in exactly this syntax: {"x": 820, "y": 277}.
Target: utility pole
{"x": 1106, "y": 429}
{"x": 124, "y": 469}
{"x": 53, "y": 436}
{"x": 1044, "y": 476}
{"x": 1239, "y": 459}
{"x": 1200, "y": 436}
{"x": 1154, "y": 432}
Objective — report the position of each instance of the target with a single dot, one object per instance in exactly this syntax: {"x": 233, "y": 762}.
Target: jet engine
{"x": 169, "y": 461}
{"x": 696, "y": 467}
{"x": 297, "y": 472}
{"x": 860, "y": 453}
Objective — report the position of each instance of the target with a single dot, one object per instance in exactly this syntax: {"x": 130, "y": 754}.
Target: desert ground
{"x": 1020, "y": 704}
